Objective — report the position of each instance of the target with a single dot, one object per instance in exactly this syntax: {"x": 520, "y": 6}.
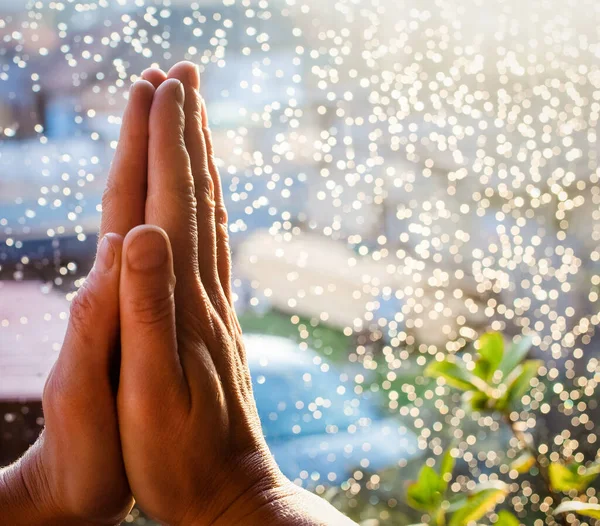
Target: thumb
{"x": 93, "y": 327}
{"x": 79, "y": 400}
{"x": 149, "y": 362}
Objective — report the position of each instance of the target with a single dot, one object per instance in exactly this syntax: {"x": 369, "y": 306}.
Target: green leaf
{"x": 426, "y": 493}
{"x": 480, "y": 401}
{"x": 573, "y": 476}
{"x": 491, "y": 352}
{"x": 478, "y": 504}
{"x": 515, "y": 355}
{"x": 448, "y": 463}
{"x": 587, "y": 475}
{"x": 582, "y": 508}
{"x": 506, "y": 518}
{"x": 446, "y": 468}
{"x": 519, "y": 382}
{"x": 523, "y": 463}
{"x": 456, "y": 502}
{"x": 454, "y": 374}
{"x": 562, "y": 478}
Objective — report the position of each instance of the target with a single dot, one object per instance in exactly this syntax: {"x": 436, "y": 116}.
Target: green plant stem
{"x": 440, "y": 518}
{"x": 519, "y": 435}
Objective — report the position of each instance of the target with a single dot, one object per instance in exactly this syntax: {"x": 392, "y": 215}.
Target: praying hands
{"x": 176, "y": 427}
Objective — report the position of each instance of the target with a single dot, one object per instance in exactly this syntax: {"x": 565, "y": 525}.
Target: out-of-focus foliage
{"x": 572, "y": 476}
{"x": 586, "y": 509}
{"x": 429, "y": 494}
{"x": 496, "y": 379}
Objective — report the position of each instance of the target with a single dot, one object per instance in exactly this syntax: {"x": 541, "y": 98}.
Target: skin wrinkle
{"x": 224, "y": 361}
{"x": 40, "y": 478}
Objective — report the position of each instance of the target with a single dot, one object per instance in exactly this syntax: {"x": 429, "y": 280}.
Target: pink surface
{"x": 33, "y": 321}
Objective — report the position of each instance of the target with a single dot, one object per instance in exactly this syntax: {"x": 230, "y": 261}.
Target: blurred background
{"x": 401, "y": 176}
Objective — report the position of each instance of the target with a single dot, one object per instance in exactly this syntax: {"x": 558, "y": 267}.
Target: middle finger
{"x": 170, "y": 203}
{"x": 196, "y": 146}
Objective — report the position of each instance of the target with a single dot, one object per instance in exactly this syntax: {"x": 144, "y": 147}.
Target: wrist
{"x": 24, "y": 496}
{"x": 283, "y": 505}
{"x": 259, "y": 504}
{"x": 249, "y": 484}
{"x": 262, "y": 496}
{"x": 29, "y": 496}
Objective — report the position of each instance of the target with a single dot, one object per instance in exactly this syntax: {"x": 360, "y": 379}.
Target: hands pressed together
{"x": 179, "y": 430}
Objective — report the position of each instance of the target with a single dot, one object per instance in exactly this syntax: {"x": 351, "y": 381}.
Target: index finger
{"x": 124, "y": 199}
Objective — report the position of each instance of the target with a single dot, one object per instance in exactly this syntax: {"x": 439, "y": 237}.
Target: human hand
{"x": 74, "y": 473}
{"x": 190, "y": 432}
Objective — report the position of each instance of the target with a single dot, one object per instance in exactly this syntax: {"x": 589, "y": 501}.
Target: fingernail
{"x": 105, "y": 258}
{"x": 179, "y": 92}
{"x": 147, "y": 251}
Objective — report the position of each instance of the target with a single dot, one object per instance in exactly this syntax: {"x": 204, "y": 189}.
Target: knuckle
{"x": 221, "y": 215}
{"x": 205, "y": 191}
{"x": 223, "y": 241}
{"x": 118, "y": 186}
{"x": 217, "y": 298}
{"x": 84, "y": 307}
{"x": 172, "y": 197}
{"x": 133, "y": 135}
{"x": 152, "y": 309}
{"x": 195, "y": 118}
{"x": 55, "y": 397}
{"x": 109, "y": 195}
{"x": 212, "y": 161}
{"x": 184, "y": 193}
{"x": 207, "y": 138}
{"x": 179, "y": 145}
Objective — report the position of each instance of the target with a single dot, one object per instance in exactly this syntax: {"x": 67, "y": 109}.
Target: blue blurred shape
{"x": 317, "y": 428}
